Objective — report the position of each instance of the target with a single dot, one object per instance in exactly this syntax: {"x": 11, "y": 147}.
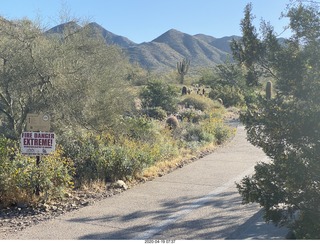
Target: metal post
{"x": 37, "y": 190}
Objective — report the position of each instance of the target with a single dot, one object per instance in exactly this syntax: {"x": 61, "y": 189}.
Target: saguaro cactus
{"x": 183, "y": 68}
{"x": 269, "y": 90}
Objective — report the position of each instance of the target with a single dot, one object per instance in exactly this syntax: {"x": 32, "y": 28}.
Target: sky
{"x": 145, "y": 20}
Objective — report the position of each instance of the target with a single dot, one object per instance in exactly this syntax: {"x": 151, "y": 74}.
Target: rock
{"x": 77, "y": 198}
{"x": 22, "y": 205}
{"x": 85, "y": 203}
{"x": 54, "y": 208}
{"x": 46, "y": 207}
{"x": 67, "y": 194}
{"x": 120, "y": 184}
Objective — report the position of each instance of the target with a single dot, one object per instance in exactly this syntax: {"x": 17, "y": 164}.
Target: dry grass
{"x": 18, "y": 197}
{"x": 160, "y": 168}
{"x": 96, "y": 186}
{"x": 167, "y": 166}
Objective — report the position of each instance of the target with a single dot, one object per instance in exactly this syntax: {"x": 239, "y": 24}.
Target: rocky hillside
{"x": 165, "y": 51}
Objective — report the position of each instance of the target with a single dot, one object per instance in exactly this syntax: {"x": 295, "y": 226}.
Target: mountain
{"x": 110, "y": 37}
{"x": 165, "y": 51}
{"x": 95, "y": 30}
{"x": 220, "y": 43}
{"x": 59, "y": 29}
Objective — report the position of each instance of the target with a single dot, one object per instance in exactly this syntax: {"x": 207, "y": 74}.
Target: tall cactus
{"x": 183, "y": 68}
{"x": 269, "y": 90}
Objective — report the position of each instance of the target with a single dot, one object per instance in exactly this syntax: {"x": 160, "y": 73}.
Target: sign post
{"x": 37, "y": 140}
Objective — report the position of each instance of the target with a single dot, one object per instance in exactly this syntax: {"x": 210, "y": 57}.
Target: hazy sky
{"x": 144, "y": 20}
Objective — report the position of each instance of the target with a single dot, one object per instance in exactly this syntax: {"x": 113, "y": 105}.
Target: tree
{"x": 248, "y": 50}
{"x": 73, "y": 75}
{"x": 252, "y": 53}
{"x": 286, "y": 127}
{"x": 24, "y": 81}
{"x": 94, "y": 81}
{"x": 227, "y": 83}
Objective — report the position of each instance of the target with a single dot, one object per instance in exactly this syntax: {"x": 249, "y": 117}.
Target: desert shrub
{"x": 126, "y": 160}
{"x": 116, "y": 163}
{"x": 54, "y": 174}
{"x": 191, "y": 115}
{"x": 83, "y": 148}
{"x": 141, "y": 128}
{"x": 197, "y": 133}
{"x": 222, "y": 133}
{"x": 160, "y": 94}
{"x": 198, "y": 102}
{"x": 108, "y": 157}
{"x": 20, "y": 175}
{"x": 230, "y": 95}
{"x": 216, "y": 127}
{"x": 155, "y": 113}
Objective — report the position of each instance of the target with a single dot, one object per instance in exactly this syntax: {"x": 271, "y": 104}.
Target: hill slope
{"x": 165, "y": 51}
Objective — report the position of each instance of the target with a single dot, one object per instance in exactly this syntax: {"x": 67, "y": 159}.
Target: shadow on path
{"x": 221, "y": 221}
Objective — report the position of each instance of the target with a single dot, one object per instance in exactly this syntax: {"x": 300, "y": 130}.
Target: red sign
{"x": 37, "y": 143}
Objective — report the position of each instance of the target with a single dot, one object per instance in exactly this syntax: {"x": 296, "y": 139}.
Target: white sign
{"x": 37, "y": 143}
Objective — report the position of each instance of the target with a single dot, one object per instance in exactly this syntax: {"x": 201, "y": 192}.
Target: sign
{"x": 37, "y": 143}
{"x": 38, "y": 122}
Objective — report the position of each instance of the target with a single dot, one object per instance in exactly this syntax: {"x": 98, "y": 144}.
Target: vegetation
{"x": 183, "y": 68}
{"x": 269, "y": 90}
{"x": 20, "y": 175}
{"x": 114, "y": 120}
{"x": 111, "y": 117}
{"x": 285, "y": 125}
{"x": 160, "y": 94}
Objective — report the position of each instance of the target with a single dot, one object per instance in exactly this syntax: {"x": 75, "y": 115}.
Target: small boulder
{"x": 120, "y": 184}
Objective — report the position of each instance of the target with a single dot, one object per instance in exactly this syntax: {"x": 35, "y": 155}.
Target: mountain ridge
{"x": 163, "y": 52}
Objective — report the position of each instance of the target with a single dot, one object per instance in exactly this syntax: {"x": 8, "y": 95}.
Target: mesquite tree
{"x": 72, "y": 74}
{"x": 25, "y": 74}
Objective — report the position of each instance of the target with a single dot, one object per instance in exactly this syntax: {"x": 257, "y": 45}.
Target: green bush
{"x": 198, "y": 102}
{"x": 216, "y": 127}
{"x": 20, "y": 175}
{"x": 125, "y": 161}
{"x": 83, "y": 148}
{"x": 109, "y": 157}
{"x": 128, "y": 159}
{"x": 222, "y": 133}
{"x": 192, "y": 115}
{"x": 198, "y": 133}
{"x": 230, "y": 95}
{"x": 155, "y": 113}
{"x": 160, "y": 94}
{"x": 142, "y": 128}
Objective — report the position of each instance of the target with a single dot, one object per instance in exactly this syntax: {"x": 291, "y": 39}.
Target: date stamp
{"x": 159, "y": 241}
